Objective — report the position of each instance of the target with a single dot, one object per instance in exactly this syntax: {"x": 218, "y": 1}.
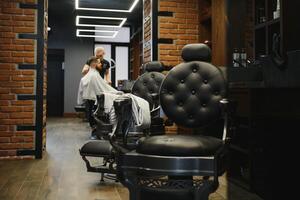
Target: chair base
{"x": 175, "y": 189}
{"x": 169, "y": 177}
{"x": 164, "y": 187}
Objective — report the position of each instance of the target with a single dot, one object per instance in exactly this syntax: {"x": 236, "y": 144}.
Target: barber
{"x": 103, "y": 69}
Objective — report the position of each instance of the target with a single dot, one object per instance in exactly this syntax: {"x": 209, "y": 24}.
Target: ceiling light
{"x": 113, "y": 33}
{"x": 106, "y": 10}
{"x": 123, "y": 20}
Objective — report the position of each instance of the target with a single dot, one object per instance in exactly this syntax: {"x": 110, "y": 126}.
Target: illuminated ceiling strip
{"x": 96, "y": 25}
{"x": 96, "y": 31}
{"x": 106, "y": 10}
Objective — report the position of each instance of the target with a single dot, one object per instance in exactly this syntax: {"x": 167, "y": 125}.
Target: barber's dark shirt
{"x": 105, "y": 66}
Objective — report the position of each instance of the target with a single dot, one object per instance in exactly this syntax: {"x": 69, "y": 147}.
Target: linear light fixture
{"x": 106, "y": 10}
{"x": 123, "y": 20}
{"x": 114, "y": 33}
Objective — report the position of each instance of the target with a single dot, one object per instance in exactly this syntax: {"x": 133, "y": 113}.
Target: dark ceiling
{"x": 65, "y": 10}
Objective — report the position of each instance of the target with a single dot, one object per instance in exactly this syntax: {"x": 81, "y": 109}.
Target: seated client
{"x": 92, "y": 84}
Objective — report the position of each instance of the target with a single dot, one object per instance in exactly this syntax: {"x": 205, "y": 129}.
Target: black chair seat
{"x": 97, "y": 148}
{"x": 80, "y": 108}
{"x": 179, "y": 145}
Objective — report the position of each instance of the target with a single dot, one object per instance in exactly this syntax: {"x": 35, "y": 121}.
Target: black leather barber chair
{"x": 103, "y": 148}
{"x": 147, "y": 87}
{"x": 182, "y": 166}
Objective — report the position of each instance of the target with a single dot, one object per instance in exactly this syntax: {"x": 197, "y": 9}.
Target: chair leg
{"x": 203, "y": 192}
{"x": 131, "y": 184}
{"x": 102, "y": 177}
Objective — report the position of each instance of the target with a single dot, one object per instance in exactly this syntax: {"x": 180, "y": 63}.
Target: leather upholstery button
{"x": 181, "y": 81}
{"x": 170, "y": 93}
{"x": 205, "y": 81}
{"x": 193, "y": 92}
{"x": 194, "y": 70}
{"x": 203, "y": 105}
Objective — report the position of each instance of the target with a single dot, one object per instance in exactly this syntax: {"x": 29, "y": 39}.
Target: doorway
{"x": 118, "y": 54}
{"x": 55, "y": 80}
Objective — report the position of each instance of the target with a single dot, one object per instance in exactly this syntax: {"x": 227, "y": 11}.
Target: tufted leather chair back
{"x": 191, "y": 92}
{"x": 149, "y": 82}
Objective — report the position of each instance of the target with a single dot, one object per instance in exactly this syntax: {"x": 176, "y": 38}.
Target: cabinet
{"x": 263, "y": 137}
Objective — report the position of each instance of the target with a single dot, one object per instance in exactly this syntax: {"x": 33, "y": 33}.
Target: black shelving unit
{"x": 265, "y": 26}
{"x": 286, "y": 25}
{"x": 261, "y": 123}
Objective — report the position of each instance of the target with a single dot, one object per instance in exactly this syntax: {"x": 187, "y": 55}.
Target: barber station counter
{"x": 266, "y": 118}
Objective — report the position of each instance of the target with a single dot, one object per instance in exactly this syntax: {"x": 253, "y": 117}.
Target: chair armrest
{"x": 154, "y": 110}
{"x": 120, "y": 103}
{"x": 228, "y": 107}
{"x": 103, "y": 129}
{"x": 155, "y": 107}
{"x": 154, "y": 96}
{"x": 104, "y": 126}
{"x": 118, "y": 148}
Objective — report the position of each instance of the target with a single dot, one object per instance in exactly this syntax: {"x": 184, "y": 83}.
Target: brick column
{"x": 21, "y": 62}
{"x": 178, "y": 25}
{"x": 147, "y": 31}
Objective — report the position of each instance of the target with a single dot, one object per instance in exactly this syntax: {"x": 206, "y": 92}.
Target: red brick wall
{"x": 14, "y": 81}
{"x": 182, "y": 27}
{"x": 147, "y": 30}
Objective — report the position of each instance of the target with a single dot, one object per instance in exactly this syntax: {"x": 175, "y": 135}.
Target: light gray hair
{"x": 98, "y": 49}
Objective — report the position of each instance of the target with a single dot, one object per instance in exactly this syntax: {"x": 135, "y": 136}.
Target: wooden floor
{"x": 61, "y": 174}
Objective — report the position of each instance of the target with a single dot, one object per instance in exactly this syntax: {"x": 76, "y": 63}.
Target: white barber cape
{"x": 92, "y": 84}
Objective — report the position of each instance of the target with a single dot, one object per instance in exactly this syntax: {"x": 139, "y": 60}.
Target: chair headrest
{"x": 148, "y": 84}
{"x": 154, "y": 66}
{"x": 196, "y": 52}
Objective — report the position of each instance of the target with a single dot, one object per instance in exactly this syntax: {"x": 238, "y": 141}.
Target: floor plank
{"x": 61, "y": 174}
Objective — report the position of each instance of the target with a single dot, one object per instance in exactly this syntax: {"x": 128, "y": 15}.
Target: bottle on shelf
{"x": 261, "y": 15}
{"x": 243, "y": 57}
{"x": 276, "y": 13}
{"x": 236, "y": 57}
